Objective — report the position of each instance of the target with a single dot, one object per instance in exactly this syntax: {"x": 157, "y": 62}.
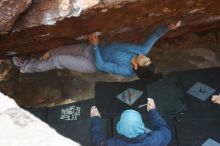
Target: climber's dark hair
{"x": 144, "y": 72}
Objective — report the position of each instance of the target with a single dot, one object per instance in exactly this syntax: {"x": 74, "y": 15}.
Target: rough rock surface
{"x": 129, "y": 20}
{"x": 20, "y": 128}
{"x": 9, "y": 12}
{"x": 48, "y": 12}
{"x": 50, "y": 88}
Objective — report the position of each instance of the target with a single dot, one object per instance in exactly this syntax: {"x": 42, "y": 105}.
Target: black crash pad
{"x": 194, "y": 127}
{"x": 198, "y": 109}
{"x": 79, "y": 130}
{"x": 41, "y": 113}
{"x": 64, "y": 114}
{"x": 195, "y": 133}
{"x": 76, "y": 127}
{"x": 165, "y": 92}
{"x": 201, "y": 121}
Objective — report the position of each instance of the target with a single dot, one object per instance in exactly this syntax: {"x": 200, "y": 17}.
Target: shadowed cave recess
{"x": 31, "y": 27}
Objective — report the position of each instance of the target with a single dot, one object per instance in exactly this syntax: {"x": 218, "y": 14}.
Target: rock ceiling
{"x": 29, "y": 26}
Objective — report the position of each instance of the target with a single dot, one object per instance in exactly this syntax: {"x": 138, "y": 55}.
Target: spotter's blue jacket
{"x": 159, "y": 136}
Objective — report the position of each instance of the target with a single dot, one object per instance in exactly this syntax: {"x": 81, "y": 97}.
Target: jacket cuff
{"x": 153, "y": 112}
{"x": 162, "y": 30}
{"x": 96, "y": 119}
{"x": 95, "y": 46}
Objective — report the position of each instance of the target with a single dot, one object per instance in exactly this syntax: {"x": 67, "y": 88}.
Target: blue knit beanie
{"x": 130, "y": 124}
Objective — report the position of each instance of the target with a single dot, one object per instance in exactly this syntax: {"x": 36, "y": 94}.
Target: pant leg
{"x": 75, "y": 63}
{"x": 74, "y": 49}
{"x": 88, "y": 52}
{"x": 31, "y": 66}
{"x": 70, "y": 62}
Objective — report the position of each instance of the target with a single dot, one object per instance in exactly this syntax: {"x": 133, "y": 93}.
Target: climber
{"x": 127, "y": 59}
